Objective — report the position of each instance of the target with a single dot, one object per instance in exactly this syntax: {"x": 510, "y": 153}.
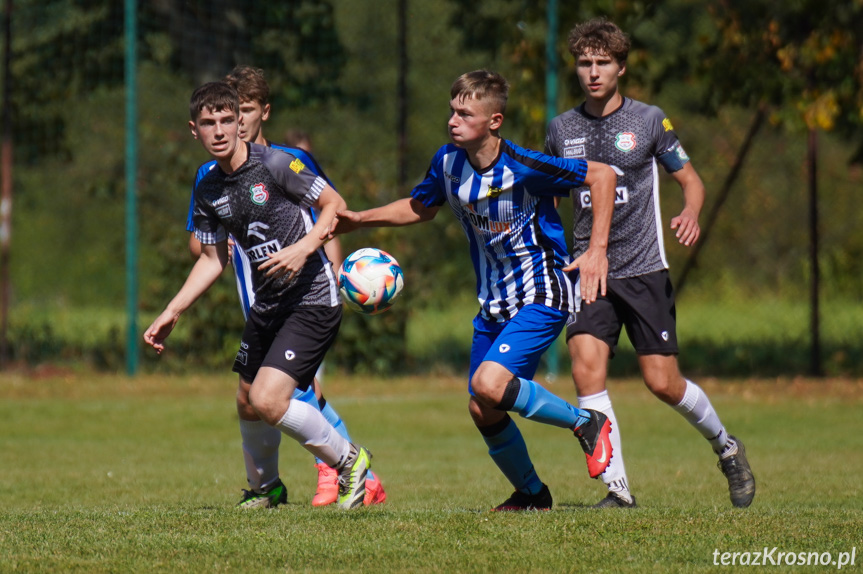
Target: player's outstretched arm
{"x": 686, "y": 224}
{"x": 203, "y": 274}
{"x": 407, "y": 211}
{"x": 291, "y": 259}
{"x": 593, "y": 263}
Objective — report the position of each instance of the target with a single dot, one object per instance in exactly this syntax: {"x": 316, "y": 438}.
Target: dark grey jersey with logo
{"x": 265, "y": 205}
{"x": 633, "y": 139}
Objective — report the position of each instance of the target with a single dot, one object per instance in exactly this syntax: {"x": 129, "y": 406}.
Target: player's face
{"x": 217, "y": 132}
{"x": 471, "y": 121}
{"x": 252, "y": 115}
{"x": 597, "y": 74}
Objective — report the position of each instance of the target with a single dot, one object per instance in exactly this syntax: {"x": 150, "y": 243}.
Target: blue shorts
{"x": 517, "y": 344}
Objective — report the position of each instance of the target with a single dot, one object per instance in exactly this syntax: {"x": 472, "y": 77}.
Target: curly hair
{"x": 250, "y": 84}
{"x": 599, "y": 35}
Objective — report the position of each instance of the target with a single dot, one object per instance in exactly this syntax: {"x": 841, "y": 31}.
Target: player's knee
{"x": 665, "y": 388}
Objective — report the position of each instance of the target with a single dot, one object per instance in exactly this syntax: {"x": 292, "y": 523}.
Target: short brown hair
{"x": 482, "y": 85}
{"x": 599, "y": 35}
{"x": 215, "y": 96}
{"x": 250, "y": 84}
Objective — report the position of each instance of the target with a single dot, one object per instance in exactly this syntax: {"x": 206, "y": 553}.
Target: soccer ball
{"x": 370, "y": 280}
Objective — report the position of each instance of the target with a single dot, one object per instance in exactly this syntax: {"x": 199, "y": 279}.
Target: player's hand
{"x": 592, "y": 268}
{"x": 686, "y": 224}
{"x": 344, "y": 222}
{"x": 159, "y": 330}
{"x": 286, "y": 262}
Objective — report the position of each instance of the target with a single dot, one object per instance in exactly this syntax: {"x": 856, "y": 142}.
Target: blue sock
{"x": 537, "y": 404}
{"x": 334, "y": 419}
{"x": 508, "y": 451}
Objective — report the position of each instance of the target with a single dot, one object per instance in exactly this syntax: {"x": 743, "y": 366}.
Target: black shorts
{"x": 643, "y": 304}
{"x": 294, "y": 343}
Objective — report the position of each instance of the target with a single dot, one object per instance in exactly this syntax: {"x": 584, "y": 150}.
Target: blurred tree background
{"x": 715, "y": 67}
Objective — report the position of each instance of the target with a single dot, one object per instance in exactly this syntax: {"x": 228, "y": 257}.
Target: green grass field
{"x": 111, "y": 474}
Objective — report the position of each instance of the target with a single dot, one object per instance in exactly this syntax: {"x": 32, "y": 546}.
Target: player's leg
{"x": 652, "y": 327}
{"x": 261, "y": 455}
{"x": 590, "y": 358}
{"x": 328, "y": 488}
{"x": 297, "y": 345}
{"x": 502, "y": 380}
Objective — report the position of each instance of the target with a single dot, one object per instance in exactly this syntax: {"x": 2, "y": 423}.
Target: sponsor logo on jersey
{"x": 573, "y": 152}
{"x": 681, "y": 153}
{"x": 223, "y": 207}
{"x": 625, "y": 141}
{"x": 256, "y": 229}
{"x": 262, "y": 252}
{"x": 297, "y": 165}
{"x": 452, "y": 178}
{"x": 242, "y": 357}
{"x": 259, "y": 194}
{"x": 621, "y": 196}
{"x": 494, "y": 191}
{"x": 483, "y": 223}
{"x": 666, "y": 123}
{"x": 574, "y": 141}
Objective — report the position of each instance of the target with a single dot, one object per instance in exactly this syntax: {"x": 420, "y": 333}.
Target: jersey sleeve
{"x": 295, "y": 177}
{"x": 669, "y": 153}
{"x": 202, "y": 171}
{"x": 544, "y": 174}
{"x": 207, "y": 227}
{"x": 431, "y": 192}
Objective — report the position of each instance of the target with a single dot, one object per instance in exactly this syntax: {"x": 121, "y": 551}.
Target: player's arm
{"x": 290, "y": 259}
{"x": 203, "y": 274}
{"x": 407, "y": 211}
{"x": 686, "y": 224}
{"x": 593, "y": 263}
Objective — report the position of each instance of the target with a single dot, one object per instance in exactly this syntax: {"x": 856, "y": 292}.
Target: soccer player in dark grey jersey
{"x": 634, "y": 138}
{"x": 262, "y": 197}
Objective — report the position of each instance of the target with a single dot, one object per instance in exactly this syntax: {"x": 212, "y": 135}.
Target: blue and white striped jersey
{"x": 239, "y": 259}
{"x": 516, "y": 238}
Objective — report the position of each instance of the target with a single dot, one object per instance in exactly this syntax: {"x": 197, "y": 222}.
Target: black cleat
{"x": 741, "y": 482}
{"x": 520, "y": 501}
{"x": 613, "y": 500}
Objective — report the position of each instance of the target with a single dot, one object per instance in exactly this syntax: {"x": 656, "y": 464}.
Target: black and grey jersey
{"x": 633, "y": 138}
{"x": 265, "y": 205}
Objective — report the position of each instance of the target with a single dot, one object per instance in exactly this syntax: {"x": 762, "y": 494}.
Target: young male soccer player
{"x": 260, "y": 440}
{"x": 262, "y": 197}
{"x": 502, "y": 195}
{"x": 633, "y": 137}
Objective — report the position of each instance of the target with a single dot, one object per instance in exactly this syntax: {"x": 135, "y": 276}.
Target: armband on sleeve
{"x": 674, "y": 158}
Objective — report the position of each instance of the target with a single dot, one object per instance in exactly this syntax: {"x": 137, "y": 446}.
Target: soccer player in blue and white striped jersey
{"x": 503, "y": 196}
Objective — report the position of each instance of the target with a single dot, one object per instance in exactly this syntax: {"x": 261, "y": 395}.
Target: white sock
{"x": 260, "y": 453}
{"x": 615, "y": 475}
{"x": 305, "y": 424}
{"x": 696, "y": 408}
